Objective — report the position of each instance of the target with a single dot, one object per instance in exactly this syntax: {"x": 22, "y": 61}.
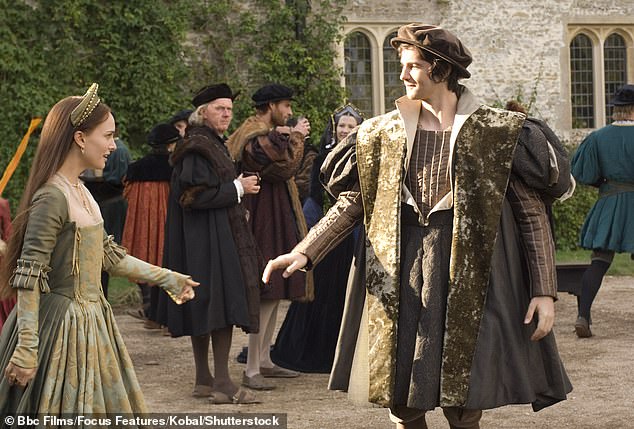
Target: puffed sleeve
{"x": 46, "y": 218}
{"x": 112, "y": 252}
{"x": 339, "y": 171}
{"x": 47, "y": 215}
{"x": 541, "y": 161}
{"x": 340, "y": 177}
{"x": 585, "y": 162}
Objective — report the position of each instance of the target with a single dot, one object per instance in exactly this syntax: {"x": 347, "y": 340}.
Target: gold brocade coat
{"x": 483, "y": 140}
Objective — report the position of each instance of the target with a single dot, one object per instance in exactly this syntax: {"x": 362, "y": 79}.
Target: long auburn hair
{"x": 56, "y": 141}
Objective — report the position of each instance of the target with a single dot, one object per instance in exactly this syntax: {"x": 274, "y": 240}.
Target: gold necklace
{"x": 80, "y": 190}
{"x": 82, "y": 196}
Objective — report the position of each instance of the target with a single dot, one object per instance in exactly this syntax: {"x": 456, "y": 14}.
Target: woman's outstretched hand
{"x": 187, "y": 293}
{"x": 289, "y": 262}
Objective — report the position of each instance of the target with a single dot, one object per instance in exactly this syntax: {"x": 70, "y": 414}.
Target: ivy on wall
{"x": 150, "y": 56}
{"x": 53, "y": 49}
{"x": 256, "y": 42}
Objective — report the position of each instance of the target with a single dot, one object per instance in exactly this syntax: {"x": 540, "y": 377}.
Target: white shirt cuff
{"x": 239, "y": 188}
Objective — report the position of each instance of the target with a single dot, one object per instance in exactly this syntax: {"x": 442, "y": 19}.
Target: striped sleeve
{"x": 532, "y": 219}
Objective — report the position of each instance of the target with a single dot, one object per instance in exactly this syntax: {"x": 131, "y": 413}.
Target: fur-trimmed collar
{"x": 250, "y": 128}
{"x": 198, "y": 140}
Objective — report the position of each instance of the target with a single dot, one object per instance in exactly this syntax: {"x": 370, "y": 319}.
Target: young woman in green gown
{"x": 60, "y": 350}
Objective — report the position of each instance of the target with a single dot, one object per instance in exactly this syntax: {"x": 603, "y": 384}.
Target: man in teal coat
{"x": 605, "y": 159}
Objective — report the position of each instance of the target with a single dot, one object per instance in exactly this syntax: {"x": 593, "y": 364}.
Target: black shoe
{"x": 582, "y": 328}
{"x": 242, "y": 356}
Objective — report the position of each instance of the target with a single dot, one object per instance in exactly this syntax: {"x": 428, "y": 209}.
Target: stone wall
{"x": 519, "y": 47}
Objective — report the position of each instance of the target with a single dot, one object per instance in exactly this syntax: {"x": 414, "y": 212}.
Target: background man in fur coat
{"x": 459, "y": 260}
{"x": 206, "y": 231}
{"x": 275, "y": 214}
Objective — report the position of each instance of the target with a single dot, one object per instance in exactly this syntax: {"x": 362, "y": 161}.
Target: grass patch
{"x": 621, "y": 266}
{"x": 123, "y": 293}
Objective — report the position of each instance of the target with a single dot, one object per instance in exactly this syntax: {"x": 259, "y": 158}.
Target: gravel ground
{"x": 601, "y": 370}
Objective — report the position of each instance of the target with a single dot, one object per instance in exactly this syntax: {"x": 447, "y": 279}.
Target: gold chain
{"x": 82, "y": 196}
{"x": 81, "y": 192}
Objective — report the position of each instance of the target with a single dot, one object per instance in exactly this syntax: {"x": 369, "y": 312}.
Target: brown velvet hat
{"x": 210, "y": 93}
{"x": 436, "y": 41}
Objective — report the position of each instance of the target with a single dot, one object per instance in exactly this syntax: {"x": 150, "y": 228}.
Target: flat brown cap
{"x": 436, "y": 41}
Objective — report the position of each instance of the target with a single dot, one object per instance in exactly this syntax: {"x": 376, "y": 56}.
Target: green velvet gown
{"x": 82, "y": 363}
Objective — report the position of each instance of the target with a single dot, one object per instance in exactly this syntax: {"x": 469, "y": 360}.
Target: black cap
{"x": 272, "y": 93}
{"x": 623, "y": 96}
{"x": 213, "y": 92}
{"x": 163, "y": 134}
{"x": 181, "y": 115}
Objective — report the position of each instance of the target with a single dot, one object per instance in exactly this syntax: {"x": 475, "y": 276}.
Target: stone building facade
{"x": 564, "y": 58}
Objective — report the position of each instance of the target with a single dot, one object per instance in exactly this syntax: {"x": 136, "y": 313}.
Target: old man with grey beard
{"x": 206, "y": 231}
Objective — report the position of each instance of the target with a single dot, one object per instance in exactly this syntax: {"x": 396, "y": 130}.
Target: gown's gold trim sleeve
{"x": 25, "y": 353}
{"x": 112, "y": 252}
{"x": 140, "y": 271}
{"x": 30, "y": 275}
{"x": 46, "y": 218}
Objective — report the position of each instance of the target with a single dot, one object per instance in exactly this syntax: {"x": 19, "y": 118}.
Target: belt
{"x": 611, "y": 187}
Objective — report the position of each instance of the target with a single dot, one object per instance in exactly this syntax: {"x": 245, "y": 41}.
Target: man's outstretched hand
{"x": 289, "y": 262}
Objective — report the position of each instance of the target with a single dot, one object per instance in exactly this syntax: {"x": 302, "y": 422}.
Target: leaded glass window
{"x": 615, "y": 68}
{"x": 581, "y": 82}
{"x": 392, "y": 85}
{"x": 358, "y": 71}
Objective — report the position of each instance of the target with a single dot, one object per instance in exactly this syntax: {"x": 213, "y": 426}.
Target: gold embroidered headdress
{"x": 89, "y": 101}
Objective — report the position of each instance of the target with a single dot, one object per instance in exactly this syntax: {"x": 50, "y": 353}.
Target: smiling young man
{"x": 458, "y": 305}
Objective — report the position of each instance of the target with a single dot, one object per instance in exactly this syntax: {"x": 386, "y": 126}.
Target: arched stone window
{"x": 392, "y": 85}
{"x": 358, "y": 71}
{"x": 615, "y": 68}
{"x": 581, "y": 82}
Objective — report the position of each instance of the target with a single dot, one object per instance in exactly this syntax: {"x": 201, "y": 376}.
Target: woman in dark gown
{"x": 307, "y": 339}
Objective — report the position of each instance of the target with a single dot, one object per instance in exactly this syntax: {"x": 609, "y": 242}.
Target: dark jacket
{"x": 207, "y": 237}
